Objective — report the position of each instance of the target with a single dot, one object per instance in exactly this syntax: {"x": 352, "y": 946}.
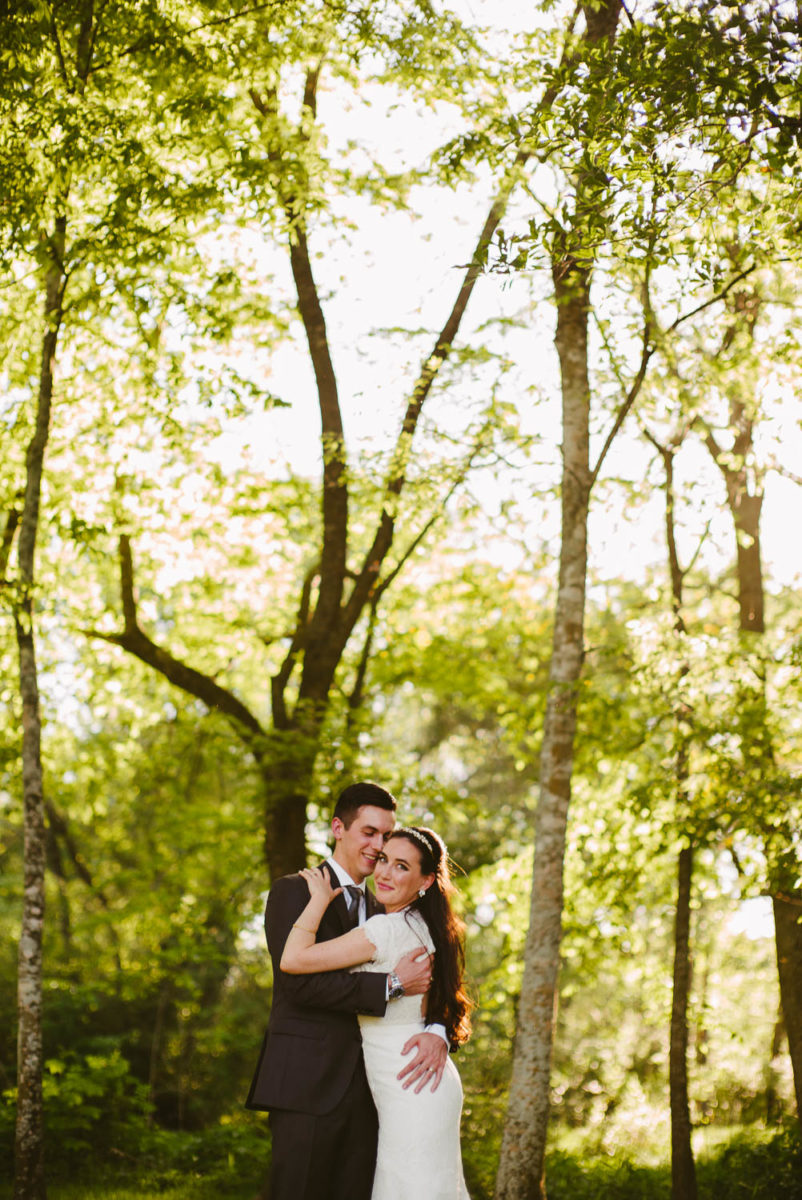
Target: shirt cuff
{"x": 440, "y": 1030}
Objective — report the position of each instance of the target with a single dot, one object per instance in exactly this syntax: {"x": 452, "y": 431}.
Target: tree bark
{"x": 788, "y": 938}
{"x": 746, "y": 509}
{"x": 29, "y": 1182}
{"x": 521, "y": 1174}
{"x": 683, "y": 1170}
{"x": 521, "y": 1171}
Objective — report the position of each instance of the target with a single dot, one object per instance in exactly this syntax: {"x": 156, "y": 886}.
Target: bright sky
{"x": 395, "y": 270}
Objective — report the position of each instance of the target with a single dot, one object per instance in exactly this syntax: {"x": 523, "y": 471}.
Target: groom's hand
{"x": 428, "y": 1064}
{"x": 415, "y": 972}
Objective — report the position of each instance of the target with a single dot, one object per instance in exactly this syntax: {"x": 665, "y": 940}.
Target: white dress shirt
{"x": 345, "y": 881}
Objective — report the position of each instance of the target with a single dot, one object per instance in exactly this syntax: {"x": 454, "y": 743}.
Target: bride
{"x": 419, "y": 1151}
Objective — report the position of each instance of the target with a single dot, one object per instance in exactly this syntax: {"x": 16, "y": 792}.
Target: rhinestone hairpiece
{"x": 421, "y": 837}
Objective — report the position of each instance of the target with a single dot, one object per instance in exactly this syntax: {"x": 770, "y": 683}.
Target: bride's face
{"x": 398, "y": 876}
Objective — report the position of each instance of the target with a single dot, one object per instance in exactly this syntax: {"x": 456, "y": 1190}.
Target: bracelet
{"x": 306, "y": 929}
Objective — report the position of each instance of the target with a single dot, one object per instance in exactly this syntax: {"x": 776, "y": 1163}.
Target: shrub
{"x": 754, "y": 1168}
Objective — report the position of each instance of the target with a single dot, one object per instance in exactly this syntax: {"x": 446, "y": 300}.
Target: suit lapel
{"x": 372, "y": 905}
{"x": 339, "y": 908}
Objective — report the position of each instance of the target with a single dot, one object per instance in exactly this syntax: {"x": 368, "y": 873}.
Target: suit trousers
{"x": 329, "y": 1157}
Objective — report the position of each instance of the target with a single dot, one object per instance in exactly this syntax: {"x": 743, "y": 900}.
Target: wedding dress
{"x": 419, "y": 1149}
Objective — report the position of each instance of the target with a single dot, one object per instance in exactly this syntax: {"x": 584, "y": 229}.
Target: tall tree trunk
{"x": 683, "y": 1171}
{"x": 521, "y": 1174}
{"x": 29, "y": 1182}
{"x": 788, "y": 937}
{"x": 521, "y": 1170}
{"x": 745, "y": 509}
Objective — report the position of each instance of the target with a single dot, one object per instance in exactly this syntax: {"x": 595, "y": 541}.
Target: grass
{"x": 108, "y": 1190}
{"x": 84, "y": 1191}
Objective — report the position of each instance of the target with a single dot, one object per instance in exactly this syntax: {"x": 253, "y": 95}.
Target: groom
{"x": 310, "y": 1073}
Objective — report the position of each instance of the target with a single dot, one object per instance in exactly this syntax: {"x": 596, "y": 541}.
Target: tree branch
{"x": 136, "y": 642}
{"x": 12, "y": 521}
{"x": 280, "y": 680}
{"x": 630, "y": 398}
{"x": 149, "y": 42}
{"x": 335, "y": 487}
{"x": 355, "y": 699}
{"x": 712, "y": 299}
{"x": 430, "y": 368}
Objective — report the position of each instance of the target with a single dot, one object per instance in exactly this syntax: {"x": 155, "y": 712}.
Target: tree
{"x": 345, "y": 575}
{"x": 683, "y": 1170}
{"x": 62, "y": 134}
{"x": 743, "y": 479}
{"x": 597, "y": 149}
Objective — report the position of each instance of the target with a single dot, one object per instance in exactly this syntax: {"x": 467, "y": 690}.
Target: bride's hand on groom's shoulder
{"x": 319, "y": 884}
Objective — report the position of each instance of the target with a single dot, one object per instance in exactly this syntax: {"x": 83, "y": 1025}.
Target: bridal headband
{"x": 425, "y": 840}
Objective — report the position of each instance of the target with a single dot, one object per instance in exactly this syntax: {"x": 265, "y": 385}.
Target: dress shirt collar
{"x": 343, "y": 878}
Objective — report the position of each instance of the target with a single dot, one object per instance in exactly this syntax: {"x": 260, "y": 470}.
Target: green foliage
{"x": 116, "y": 1155}
{"x": 580, "y": 1179}
{"x": 90, "y": 1101}
{"x": 748, "y": 1166}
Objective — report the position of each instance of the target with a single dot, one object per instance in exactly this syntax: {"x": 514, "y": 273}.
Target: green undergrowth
{"x": 743, "y": 1164}
{"x": 751, "y": 1165}
{"x": 228, "y": 1162}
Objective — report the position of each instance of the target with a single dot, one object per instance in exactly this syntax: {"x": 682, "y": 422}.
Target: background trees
{"x": 332, "y": 522}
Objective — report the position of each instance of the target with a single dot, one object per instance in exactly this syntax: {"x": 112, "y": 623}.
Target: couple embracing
{"x": 358, "y": 983}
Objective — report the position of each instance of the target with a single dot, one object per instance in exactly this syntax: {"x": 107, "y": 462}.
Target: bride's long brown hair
{"x": 447, "y": 1000}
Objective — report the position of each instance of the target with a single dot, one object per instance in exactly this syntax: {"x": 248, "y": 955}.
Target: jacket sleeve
{"x": 340, "y": 991}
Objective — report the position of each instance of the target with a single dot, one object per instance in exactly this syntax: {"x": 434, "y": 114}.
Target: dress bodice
{"x": 394, "y": 935}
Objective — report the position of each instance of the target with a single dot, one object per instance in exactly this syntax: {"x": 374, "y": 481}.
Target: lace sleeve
{"x": 379, "y": 932}
{"x": 395, "y": 935}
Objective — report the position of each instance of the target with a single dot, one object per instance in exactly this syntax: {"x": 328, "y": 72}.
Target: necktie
{"x": 354, "y": 895}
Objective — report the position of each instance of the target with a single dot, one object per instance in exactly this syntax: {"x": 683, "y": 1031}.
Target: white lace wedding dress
{"x": 419, "y": 1149}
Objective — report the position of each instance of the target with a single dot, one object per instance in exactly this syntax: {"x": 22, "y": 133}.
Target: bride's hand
{"x": 319, "y": 884}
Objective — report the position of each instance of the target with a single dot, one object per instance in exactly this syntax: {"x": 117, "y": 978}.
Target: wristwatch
{"x": 395, "y": 987}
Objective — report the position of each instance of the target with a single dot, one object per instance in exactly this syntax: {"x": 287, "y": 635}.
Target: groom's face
{"x": 362, "y": 842}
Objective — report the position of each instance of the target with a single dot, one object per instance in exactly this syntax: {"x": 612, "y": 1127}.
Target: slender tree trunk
{"x": 683, "y": 1171}
{"x": 521, "y": 1174}
{"x": 29, "y": 1183}
{"x": 521, "y": 1170}
{"x": 788, "y": 937}
{"x": 746, "y": 509}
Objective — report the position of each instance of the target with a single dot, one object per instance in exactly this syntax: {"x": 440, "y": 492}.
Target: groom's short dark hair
{"x": 357, "y": 795}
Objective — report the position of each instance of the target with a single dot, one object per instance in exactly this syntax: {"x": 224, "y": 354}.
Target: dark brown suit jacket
{"x": 312, "y": 1044}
